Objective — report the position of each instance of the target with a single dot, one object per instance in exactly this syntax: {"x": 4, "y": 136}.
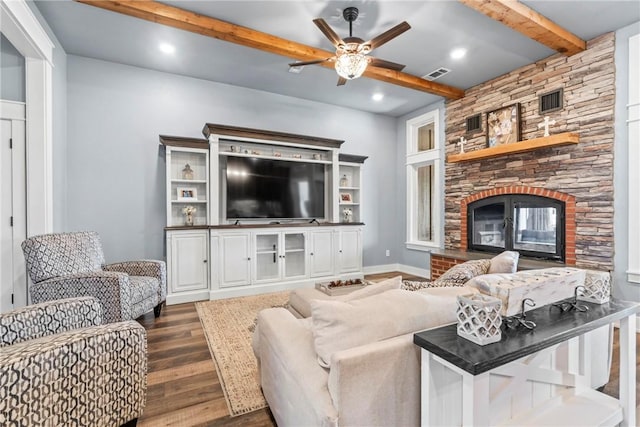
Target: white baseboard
{"x": 385, "y": 268}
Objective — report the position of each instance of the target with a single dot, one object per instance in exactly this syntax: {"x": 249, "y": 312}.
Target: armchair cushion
{"x": 53, "y": 255}
{"x": 460, "y": 274}
{"x": 49, "y": 318}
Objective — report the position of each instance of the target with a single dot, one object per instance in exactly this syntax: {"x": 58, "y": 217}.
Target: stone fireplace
{"x": 578, "y": 176}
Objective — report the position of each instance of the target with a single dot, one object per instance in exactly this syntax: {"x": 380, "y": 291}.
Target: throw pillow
{"x": 340, "y": 325}
{"x": 412, "y": 285}
{"x": 506, "y": 262}
{"x": 460, "y": 274}
{"x": 374, "y": 288}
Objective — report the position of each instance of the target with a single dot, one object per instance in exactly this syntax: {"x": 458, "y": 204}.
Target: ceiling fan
{"x": 351, "y": 58}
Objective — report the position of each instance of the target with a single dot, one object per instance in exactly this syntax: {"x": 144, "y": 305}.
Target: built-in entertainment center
{"x": 252, "y": 211}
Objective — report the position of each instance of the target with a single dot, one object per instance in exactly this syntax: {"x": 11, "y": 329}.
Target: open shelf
{"x": 516, "y": 147}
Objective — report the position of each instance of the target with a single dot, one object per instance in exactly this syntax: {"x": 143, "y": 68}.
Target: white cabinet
{"x": 349, "y": 249}
{"x": 321, "y": 253}
{"x": 234, "y": 259}
{"x": 279, "y": 256}
{"x": 187, "y": 257}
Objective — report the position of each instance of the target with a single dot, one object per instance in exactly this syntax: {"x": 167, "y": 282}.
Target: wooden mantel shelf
{"x": 516, "y": 147}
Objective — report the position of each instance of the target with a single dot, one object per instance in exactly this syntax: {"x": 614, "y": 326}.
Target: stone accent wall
{"x": 584, "y": 171}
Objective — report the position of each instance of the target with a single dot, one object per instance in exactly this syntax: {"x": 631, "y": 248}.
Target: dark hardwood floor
{"x": 183, "y": 387}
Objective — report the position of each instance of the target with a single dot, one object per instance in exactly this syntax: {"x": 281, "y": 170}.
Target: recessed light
{"x": 377, "y": 96}
{"x": 458, "y": 53}
{"x": 167, "y": 48}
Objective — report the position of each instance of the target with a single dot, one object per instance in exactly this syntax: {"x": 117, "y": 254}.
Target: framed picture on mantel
{"x": 503, "y": 125}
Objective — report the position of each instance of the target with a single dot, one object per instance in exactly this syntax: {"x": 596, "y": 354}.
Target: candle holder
{"x": 597, "y": 287}
{"x": 479, "y": 318}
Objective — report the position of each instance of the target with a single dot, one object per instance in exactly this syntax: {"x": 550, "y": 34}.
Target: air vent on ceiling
{"x": 551, "y": 101}
{"x": 473, "y": 123}
{"x": 436, "y": 74}
{"x": 296, "y": 70}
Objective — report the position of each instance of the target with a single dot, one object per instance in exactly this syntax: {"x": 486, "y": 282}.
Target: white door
{"x": 321, "y": 253}
{"x": 13, "y": 227}
{"x": 235, "y": 260}
{"x": 188, "y": 259}
{"x": 350, "y": 251}
{"x": 294, "y": 255}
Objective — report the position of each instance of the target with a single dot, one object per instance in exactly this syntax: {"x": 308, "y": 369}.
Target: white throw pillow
{"x": 374, "y": 289}
{"x": 506, "y": 262}
{"x": 340, "y": 325}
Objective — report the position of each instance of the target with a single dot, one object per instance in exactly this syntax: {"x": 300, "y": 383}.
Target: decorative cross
{"x": 546, "y": 124}
{"x": 461, "y": 144}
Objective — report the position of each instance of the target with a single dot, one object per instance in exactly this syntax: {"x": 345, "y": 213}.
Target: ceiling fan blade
{"x": 328, "y": 31}
{"x": 381, "y": 63}
{"x": 388, "y": 35}
{"x": 317, "y": 61}
{"x": 341, "y": 81}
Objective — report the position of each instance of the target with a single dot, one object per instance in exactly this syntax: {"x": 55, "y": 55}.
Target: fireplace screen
{"x": 531, "y": 225}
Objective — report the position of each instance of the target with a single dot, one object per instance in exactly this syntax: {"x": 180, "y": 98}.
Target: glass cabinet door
{"x": 294, "y": 255}
{"x": 267, "y": 257}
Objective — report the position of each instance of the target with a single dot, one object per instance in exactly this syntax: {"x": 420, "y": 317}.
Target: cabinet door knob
{"x": 204, "y": 260}
{"x": 249, "y": 259}
{"x": 311, "y": 254}
{"x": 340, "y": 250}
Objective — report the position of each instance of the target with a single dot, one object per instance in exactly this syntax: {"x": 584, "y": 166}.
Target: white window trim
{"x": 633, "y": 124}
{"x": 414, "y": 158}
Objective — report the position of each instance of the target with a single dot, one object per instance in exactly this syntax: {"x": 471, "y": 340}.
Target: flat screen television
{"x": 278, "y": 189}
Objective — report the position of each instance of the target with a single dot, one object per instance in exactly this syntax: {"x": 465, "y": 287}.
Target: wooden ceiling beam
{"x": 527, "y": 21}
{"x": 211, "y": 27}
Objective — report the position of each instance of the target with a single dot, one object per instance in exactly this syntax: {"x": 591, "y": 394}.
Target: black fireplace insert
{"x": 531, "y": 225}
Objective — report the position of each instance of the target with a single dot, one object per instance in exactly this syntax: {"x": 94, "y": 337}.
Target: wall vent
{"x": 436, "y": 74}
{"x": 473, "y": 123}
{"x": 551, "y": 101}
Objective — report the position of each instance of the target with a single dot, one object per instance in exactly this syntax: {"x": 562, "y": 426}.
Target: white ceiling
{"x": 437, "y": 28}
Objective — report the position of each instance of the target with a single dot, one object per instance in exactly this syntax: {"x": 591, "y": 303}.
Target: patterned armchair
{"x": 60, "y": 366}
{"x": 69, "y": 265}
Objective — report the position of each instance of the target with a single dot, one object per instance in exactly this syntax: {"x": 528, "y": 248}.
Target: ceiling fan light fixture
{"x": 351, "y": 65}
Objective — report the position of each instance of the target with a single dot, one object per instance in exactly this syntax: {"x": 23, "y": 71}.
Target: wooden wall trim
{"x": 182, "y": 141}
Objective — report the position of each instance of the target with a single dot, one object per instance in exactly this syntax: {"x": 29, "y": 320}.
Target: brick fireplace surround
{"x": 580, "y": 175}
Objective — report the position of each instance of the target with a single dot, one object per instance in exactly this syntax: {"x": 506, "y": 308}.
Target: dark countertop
{"x": 523, "y": 263}
{"x": 243, "y": 226}
{"x": 553, "y": 327}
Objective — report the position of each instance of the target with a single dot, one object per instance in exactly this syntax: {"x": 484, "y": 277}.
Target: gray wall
{"x": 12, "y": 87}
{"x": 622, "y": 288}
{"x": 406, "y": 256}
{"x": 115, "y": 167}
{"x": 59, "y": 81}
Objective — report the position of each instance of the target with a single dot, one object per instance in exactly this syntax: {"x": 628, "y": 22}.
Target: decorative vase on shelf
{"x": 187, "y": 172}
{"x": 188, "y": 212}
{"x": 344, "y": 182}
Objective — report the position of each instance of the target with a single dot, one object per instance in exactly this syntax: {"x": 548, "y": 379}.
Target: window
{"x": 424, "y": 182}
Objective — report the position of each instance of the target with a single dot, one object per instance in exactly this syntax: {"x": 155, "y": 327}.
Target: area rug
{"x": 228, "y": 325}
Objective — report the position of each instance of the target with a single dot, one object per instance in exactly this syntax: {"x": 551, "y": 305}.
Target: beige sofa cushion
{"x": 506, "y": 262}
{"x": 300, "y": 299}
{"x": 340, "y": 325}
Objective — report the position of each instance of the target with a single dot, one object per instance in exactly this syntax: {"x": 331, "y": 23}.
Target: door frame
{"x": 22, "y": 29}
